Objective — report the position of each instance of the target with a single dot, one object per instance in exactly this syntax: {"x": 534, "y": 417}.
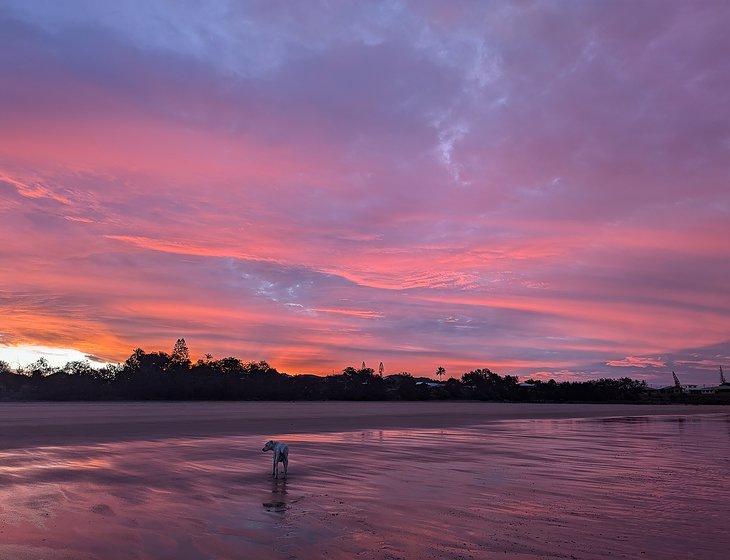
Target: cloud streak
{"x": 531, "y": 187}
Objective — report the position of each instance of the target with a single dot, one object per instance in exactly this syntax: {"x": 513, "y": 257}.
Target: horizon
{"x": 59, "y": 358}
{"x": 539, "y": 189}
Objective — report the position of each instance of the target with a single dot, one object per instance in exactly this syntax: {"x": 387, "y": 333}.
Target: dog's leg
{"x": 285, "y": 461}
{"x": 273, "y": 468}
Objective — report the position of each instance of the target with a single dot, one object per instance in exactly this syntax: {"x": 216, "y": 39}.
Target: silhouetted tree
{"x": 487, "y": 385}
{"x": 440, "y": 372}
{"x": 39, "y": 368}
{"x": 162, "y": 376}
{"x": 180, "y": 354}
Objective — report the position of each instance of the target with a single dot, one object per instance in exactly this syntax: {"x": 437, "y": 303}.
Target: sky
{"x": 541, "y": 188}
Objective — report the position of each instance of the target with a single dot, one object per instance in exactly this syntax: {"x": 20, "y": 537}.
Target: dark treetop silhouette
{"x": 162, "y": 376}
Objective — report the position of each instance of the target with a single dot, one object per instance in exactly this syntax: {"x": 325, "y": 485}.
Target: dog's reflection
{"x": 278, "y": 486}
{"x": 278, "y": 500}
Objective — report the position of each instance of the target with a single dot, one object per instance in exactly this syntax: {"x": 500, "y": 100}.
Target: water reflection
{"x": 278, "y": 500}
{"x": 520, "y": 489}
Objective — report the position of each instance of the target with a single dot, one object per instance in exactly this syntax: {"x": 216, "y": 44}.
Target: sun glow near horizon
{"x": 22, "y": 355}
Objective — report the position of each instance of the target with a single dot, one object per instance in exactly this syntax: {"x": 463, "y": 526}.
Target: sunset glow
{"x": 538, "y": 188}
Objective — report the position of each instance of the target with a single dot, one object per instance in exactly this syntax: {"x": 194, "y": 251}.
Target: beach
{"x": 188, "y": 481}
{"x": 23, "y": 424}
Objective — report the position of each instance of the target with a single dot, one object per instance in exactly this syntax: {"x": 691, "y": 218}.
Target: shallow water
{"x": 652, "y": 487}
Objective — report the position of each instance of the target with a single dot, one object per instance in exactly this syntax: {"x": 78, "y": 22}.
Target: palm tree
{"x": 440, "y": 371}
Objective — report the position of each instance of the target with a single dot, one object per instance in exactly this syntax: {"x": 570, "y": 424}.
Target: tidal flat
{"x": 366, "y": 480}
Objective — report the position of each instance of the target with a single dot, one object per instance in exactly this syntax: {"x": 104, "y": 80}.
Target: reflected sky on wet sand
{"x": 601, "y": 488}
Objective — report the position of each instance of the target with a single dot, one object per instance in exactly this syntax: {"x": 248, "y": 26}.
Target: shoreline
{"x": 79, "y": 423}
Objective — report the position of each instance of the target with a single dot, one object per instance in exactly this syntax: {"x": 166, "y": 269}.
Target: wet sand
{"x": 23, "y": 424}
{"x": 382, "y": 481}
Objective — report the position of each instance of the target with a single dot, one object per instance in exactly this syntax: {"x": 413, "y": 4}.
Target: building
{"x": 697, "y": 390}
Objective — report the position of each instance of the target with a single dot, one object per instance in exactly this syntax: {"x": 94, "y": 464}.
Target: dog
{"x": 281, "y": 455}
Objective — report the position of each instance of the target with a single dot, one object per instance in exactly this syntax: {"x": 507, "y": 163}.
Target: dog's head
{"x": 269, "y": 445}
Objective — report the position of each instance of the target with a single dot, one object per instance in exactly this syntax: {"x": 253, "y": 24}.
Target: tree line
{"x": 174, "y": 376}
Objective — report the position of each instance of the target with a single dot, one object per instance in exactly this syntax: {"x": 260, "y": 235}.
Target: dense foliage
{"x": 163, "y": 376}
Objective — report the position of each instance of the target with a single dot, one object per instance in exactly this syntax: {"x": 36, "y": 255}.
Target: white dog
{"x": 281, "y": 455}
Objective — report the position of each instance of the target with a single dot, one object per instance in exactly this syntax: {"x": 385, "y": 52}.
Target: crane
{"x": 677, "y": 384}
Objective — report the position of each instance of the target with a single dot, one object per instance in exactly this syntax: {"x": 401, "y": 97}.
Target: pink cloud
{"x": 637, "y": 362}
